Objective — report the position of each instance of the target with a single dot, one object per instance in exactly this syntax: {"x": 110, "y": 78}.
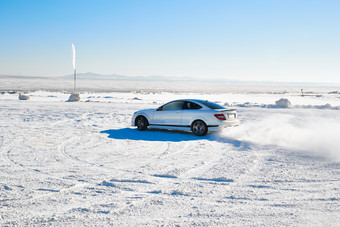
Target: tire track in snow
{"x": 168, "y": 185}
{"x": 63, "y": 151}
{"x": 53, "y": 192}
{"x": 7, "y": 150}
{"x": 45, "y": 178}
{"x": 206, "y": 164}
{"x": 161, "y": 183}
{"x": 183, "y": 150}
{"x": 3, "y": 150}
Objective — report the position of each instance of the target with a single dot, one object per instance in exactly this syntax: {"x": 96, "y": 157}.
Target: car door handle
{"x": 178, "y": 112}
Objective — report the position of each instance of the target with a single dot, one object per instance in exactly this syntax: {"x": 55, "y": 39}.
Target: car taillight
{"x": 220, "y": 117}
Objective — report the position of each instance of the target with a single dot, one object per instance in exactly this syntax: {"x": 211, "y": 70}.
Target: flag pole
{"x": 74, "y": 65}
{"x": 75, "y": 73}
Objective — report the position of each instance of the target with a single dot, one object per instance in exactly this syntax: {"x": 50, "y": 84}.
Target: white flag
{"x": 74, "y": 57}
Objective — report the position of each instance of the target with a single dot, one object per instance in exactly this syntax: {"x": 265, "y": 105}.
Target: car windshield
{"x": 212, "y": 105}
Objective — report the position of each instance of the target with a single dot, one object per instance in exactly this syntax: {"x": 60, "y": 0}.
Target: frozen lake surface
{"x": 82, "y": 163}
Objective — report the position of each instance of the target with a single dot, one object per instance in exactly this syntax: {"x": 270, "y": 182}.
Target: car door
{"x": 169, "y": 115}
{"x": 191, "y": 111}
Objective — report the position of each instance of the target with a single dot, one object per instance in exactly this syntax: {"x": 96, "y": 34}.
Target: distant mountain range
{"x": 96, "y": 76}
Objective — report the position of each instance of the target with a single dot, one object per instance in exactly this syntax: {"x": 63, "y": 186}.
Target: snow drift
{"x": 74, "y": 97}
{"x": 283, "y": 103}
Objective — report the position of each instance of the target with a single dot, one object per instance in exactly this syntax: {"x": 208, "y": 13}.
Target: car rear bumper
{"x": 224, "y": 124}
{"x": 231, "y": 123}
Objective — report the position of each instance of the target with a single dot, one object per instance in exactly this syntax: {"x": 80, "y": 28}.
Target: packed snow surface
{"x": 81, "y": 163}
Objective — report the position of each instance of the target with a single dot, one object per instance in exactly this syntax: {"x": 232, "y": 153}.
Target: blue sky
{"x": 272, "y": 40}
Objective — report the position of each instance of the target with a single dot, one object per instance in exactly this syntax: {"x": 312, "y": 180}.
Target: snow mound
{"x": 24, "y": 97}
{"x": 74, "y": 97}
{"x": 283, "y": 103}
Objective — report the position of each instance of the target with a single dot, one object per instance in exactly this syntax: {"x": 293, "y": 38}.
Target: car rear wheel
{"x": 141, "y": 123}
{"x": 199, "y": 128}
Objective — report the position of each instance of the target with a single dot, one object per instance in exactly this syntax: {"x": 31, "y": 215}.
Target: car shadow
{"x": 168, "y": 136}
{"x": 150, "y": 135}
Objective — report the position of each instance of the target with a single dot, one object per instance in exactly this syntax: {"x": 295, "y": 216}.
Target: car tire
{"x": 141, "y": 123}
{"x": 199, "y": 128}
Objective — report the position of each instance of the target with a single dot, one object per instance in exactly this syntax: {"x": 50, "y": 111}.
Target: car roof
{"x": 191, "y": 100}
{"x": 198, "y": 101}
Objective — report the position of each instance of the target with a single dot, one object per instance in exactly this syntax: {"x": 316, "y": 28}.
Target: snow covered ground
{"x": 66, "y": 163}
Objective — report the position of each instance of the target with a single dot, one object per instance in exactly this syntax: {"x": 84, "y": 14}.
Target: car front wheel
{"x": 199, "y": 128}
{"x": 141, "y": 123}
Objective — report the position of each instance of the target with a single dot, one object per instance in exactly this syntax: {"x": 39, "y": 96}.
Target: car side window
{"x": 177, "y": 105}
{"x": 191, "y": 106}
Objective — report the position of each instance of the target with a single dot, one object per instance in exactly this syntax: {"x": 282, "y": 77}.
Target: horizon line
{"x": 167, "y": 78}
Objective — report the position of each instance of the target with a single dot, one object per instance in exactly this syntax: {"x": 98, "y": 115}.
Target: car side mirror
{"x": 159, "y": 109}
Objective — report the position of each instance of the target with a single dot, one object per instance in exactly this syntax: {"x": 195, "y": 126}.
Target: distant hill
{"x": 96, "y": 76}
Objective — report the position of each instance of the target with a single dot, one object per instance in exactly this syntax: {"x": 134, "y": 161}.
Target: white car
{"x": 199, "y": 116}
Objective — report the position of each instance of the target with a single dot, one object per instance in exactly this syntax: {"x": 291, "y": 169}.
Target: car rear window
{"x": 212, "y": 105}
{"x": 191, "y": 106}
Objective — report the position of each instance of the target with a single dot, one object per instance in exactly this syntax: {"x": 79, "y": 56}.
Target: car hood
{"x": 146, "y": 110}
